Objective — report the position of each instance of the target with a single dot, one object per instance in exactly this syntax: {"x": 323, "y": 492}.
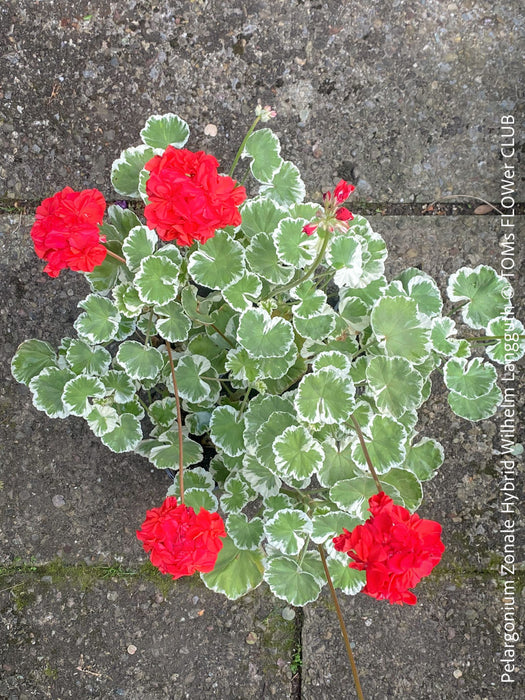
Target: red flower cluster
{"x": 189, "y": 200}
{"x": 333, "y": 211}
{"x": 180, "y": 541}
{"x": 395, "y": 548}
{"x": 66, "y": 233}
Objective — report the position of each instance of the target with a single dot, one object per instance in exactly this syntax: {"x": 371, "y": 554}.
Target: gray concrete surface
{"x": 403, "y": 98}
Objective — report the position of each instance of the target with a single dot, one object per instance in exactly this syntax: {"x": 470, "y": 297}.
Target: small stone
{"x": 132, "y": 649}
{"x": 59, "y": 501}
{"x": 210, "y": 130}
{"x": 458, "y": 673}
{"x": 252, "y": 638}
{"x": 288, "y": 613}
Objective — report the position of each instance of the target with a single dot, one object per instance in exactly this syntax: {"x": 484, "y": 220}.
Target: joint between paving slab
{"x": 390, "y": 208}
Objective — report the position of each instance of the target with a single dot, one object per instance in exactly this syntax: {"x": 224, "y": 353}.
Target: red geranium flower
{"x": 180, "y": 541}
{"x": 66, "y": 233}
{"x": 395, "y": 548}
{"x": 188, "y": 199}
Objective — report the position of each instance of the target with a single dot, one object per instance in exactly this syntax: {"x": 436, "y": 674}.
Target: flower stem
{"x": 313, "y": 267}
{"x": 179, "y": 424}
{"x": 117, "y": 257}
{"x": 341, "y": 625}
{"x": 218, "y": 330}
{"x": 365, "y": 452}
{"x": 243, "y": 144}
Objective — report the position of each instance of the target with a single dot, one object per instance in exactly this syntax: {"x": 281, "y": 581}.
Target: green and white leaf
{"x": 164, "y": 452}
{"x": 443, "y": 328}
{"x": 426, "y": 294}
{"x": 264, "y": 148}
{"x": 475, "y": 409}
{"x": 246, "y": 534}
{"x": 510, "y": 346}
{"x": 407, "y": 484}
{"x": 127, "y": 300}
{"x": 263, "y": 336}
{"x": 200, "y": 498}
{"x": 78, "y": 391}
{"x": 325, "y": 526}
{"x": 401, "y": 331}
{"x": 125, "y": 436}
{"x": 139, "y": 361}
{"x": 226, "y": 430}
{"x": 242, "y": 293}
{"x": 261, "y": 215}
{"x": 471, "y": 379}
{"x": 163, "y": 130}
{"x": 424, "y": 458}
{"x": 267, "y": 433}
{"x": 325, "y": 397}
{"x": 287, "y": 580}
{"x": 236, "y": 495}
{"x": 119, "y": 385}
{"x": 259, "y": 410}
{"x": 163, "y": 412}
{"x": 157, "y": 280}
{"x": 343, "y": 577}
{"x": 338, "y": 463}
{"x": 294, "y": 247}
{"x": 297, "y": 454}
{"x": 345, "y": 255}
{"x": 139, "y": 244}
{"x": 188, "y": 374}
{"x": 218, "y": 262}
{"x": 100, "y": 321}
{"x": 102, "y": 419}
{"x": 312, "y": 300}
{"x": 487, "y": 293}
{"x": 287, "y": 530}
{"x": 385, "y": 441}
{"x": 105, "y": 276}
{"x": 317, "y": 327}
{"x": 126, "y": 169}
{"x": 352, "y": 495}
{"x": 262, "y": 257}
{"x": 84, "y": 359}
{"x": 172, "y": 324}
{"x": 123, "y": 220}
{"x": 48, "y": 389}
{"x": 333, "y": 359}
{"x": 236, "y": 571}
{"x": 261, "y": 479}
{"x": 31, "y": 357}
{"x": 395, "y": 385}
{"x": 286, "y": 187}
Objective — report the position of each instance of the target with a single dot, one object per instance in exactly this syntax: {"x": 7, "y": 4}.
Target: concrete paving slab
{"x": 127, "y": 639}
{"x": 403, "y": 98}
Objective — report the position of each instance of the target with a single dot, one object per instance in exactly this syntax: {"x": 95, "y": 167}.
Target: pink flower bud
{"x": 309, "y": 229}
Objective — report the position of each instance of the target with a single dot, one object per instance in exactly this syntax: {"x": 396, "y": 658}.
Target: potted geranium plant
{"x": 266, "y": 325}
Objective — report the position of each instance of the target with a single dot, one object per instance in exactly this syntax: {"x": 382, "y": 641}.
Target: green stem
{"x": 245, "y": 400}
{"x": 221, "y": 334}
{"x": 148, "y": 332}
{"x": 487, "y": 338}
{"x": 365, "y": 452}
{"x": 243, "y": 144}
{"x": 179, "y": 424}
{"x": 342, "y": 625}
{"x": 313, "y": 267}
{"x": 305, "y": 547}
